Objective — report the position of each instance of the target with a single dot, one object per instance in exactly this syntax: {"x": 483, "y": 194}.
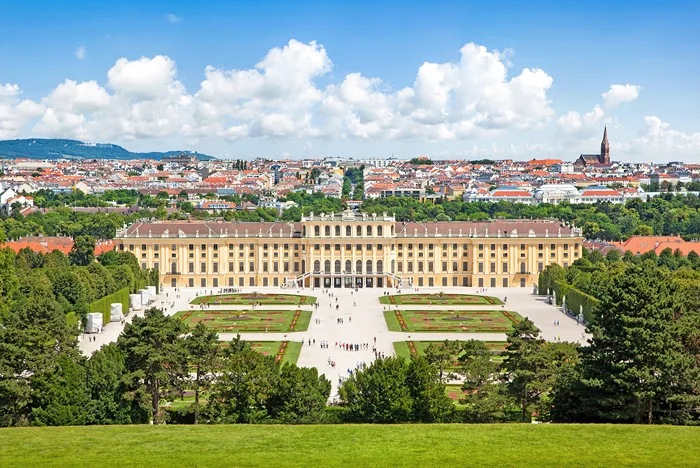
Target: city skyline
{"x": 450, "y": 81}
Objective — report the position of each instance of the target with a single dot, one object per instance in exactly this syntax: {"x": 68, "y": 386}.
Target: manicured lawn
{"x": 409, "y": 348}
{"x": 467, "y": 321}
{"x": 458, "y": 445}
{"x": 255, "y": 298}
{"x": 439, "y": 299}
{"x": 232, "y": 321}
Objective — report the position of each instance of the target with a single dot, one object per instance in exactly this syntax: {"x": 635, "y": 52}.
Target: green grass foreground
{"x": 355, "y": 445}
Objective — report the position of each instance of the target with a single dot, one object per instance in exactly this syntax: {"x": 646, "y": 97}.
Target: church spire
{"x": 604, "y": 157}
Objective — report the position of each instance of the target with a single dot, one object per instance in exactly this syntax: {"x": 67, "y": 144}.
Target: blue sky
{"x": 581, "y": 48}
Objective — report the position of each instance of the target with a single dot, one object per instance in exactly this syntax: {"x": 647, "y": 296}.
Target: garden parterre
{"x": 439, "y": 299}
{"x": 466, "y": 321}
{"x": 254, "y": 298}
{"x": 232, "y": 321}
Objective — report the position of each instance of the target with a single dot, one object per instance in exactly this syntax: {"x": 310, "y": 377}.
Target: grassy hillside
{"x": 351, "y": 445}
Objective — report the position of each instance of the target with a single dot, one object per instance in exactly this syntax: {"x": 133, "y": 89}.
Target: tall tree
{"x": 83, "y": 251}
{"x": 156, "y": 359}
{"x": 245, "y": 384}
{"x": 443, "y": 355}
{"x": 109, "y": 404}
{"x": 379, "y": 394}
{"x": 484, "y": 399}
{"x": 430, "y": 400}
{"x": 202, "y": 350}
{"x": 301, "y": 396}
{"x": 531, "y": 366}
{"x": 635, "y": 365}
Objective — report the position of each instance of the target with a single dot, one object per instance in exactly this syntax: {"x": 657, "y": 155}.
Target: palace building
{"x": 350, "y": 249}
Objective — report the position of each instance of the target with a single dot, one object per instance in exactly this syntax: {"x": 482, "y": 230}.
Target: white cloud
{"x": 15, "y": 113}
{"x": 80, "y": 52}
{"x": 281, "y": 97}
{"x": 67, "y": 106}
{"x": 173, "y": 18}
{"x": 573, "y": 124}
{"x": 617, "y": 94}
{"x": 659, "y": 142}
{"x": 143, "y": 78}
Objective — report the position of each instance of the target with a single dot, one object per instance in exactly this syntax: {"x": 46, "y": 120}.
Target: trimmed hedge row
{"x": 575, "y": 299}
{"x": 103, "y": 305}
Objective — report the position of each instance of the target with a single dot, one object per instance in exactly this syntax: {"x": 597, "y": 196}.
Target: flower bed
{"x": 467, "y": 321}
{"x": 248, "y": 320}
{"x": 439, "y": 299}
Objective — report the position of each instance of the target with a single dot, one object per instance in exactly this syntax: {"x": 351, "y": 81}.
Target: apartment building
{"x": 351, "y": 250}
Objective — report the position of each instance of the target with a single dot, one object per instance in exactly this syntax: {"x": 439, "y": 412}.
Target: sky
{"x": 448, "y": 80}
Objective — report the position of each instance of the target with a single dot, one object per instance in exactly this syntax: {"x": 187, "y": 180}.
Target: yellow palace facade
{"x": 349, "y": 249}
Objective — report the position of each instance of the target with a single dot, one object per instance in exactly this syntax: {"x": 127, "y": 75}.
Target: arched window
{"x": 380, "y": 267}
{"x": 522, "y": 267}
{"x": 337, "y": 266}
{"x": 380, "y": 231}
{"x": 173, "y": 267}
{"x": 303, "y": 231}
{"x": 303, "y": 266}
{"x": 327, "y": 266}
{"x": 392, "y": 230}
{"x": 369, "y": 266}
{"x": 359, "y": 231}
{"x": 358, "y": 266}
{"x": 328, "y": 231}
{"x": 348, "y": 231}
{"x": 369, "y": 231}
{"x": 317, "y": 266}
{"x": 337, "y": 231}
{"x": 348, "y": 266}
{"x": 317, "y": 231}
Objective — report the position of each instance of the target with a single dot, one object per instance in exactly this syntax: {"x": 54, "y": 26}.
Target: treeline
{"x": 641, "y": 365}
{"x": 152, "y": 362}
{"x": 668, "y": 214}
{"x": 43, "y": 300}
{"x": 65, "y": 222}
{"x": 592, "y": 271}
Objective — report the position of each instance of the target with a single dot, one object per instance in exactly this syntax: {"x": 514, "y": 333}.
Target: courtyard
{"x": 345, "y": 315}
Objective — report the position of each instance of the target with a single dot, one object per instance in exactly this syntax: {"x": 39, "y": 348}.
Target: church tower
{"x": 604, "y": 157}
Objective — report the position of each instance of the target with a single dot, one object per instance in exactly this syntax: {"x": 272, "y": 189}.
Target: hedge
{"x": 575, "y": 299}
{"x": 103, "y": 305}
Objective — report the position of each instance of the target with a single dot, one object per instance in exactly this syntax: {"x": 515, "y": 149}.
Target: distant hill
{"x": 51, "y": 148}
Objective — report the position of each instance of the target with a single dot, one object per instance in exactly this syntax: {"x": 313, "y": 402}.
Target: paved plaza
{"x": 363, "y": 321}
